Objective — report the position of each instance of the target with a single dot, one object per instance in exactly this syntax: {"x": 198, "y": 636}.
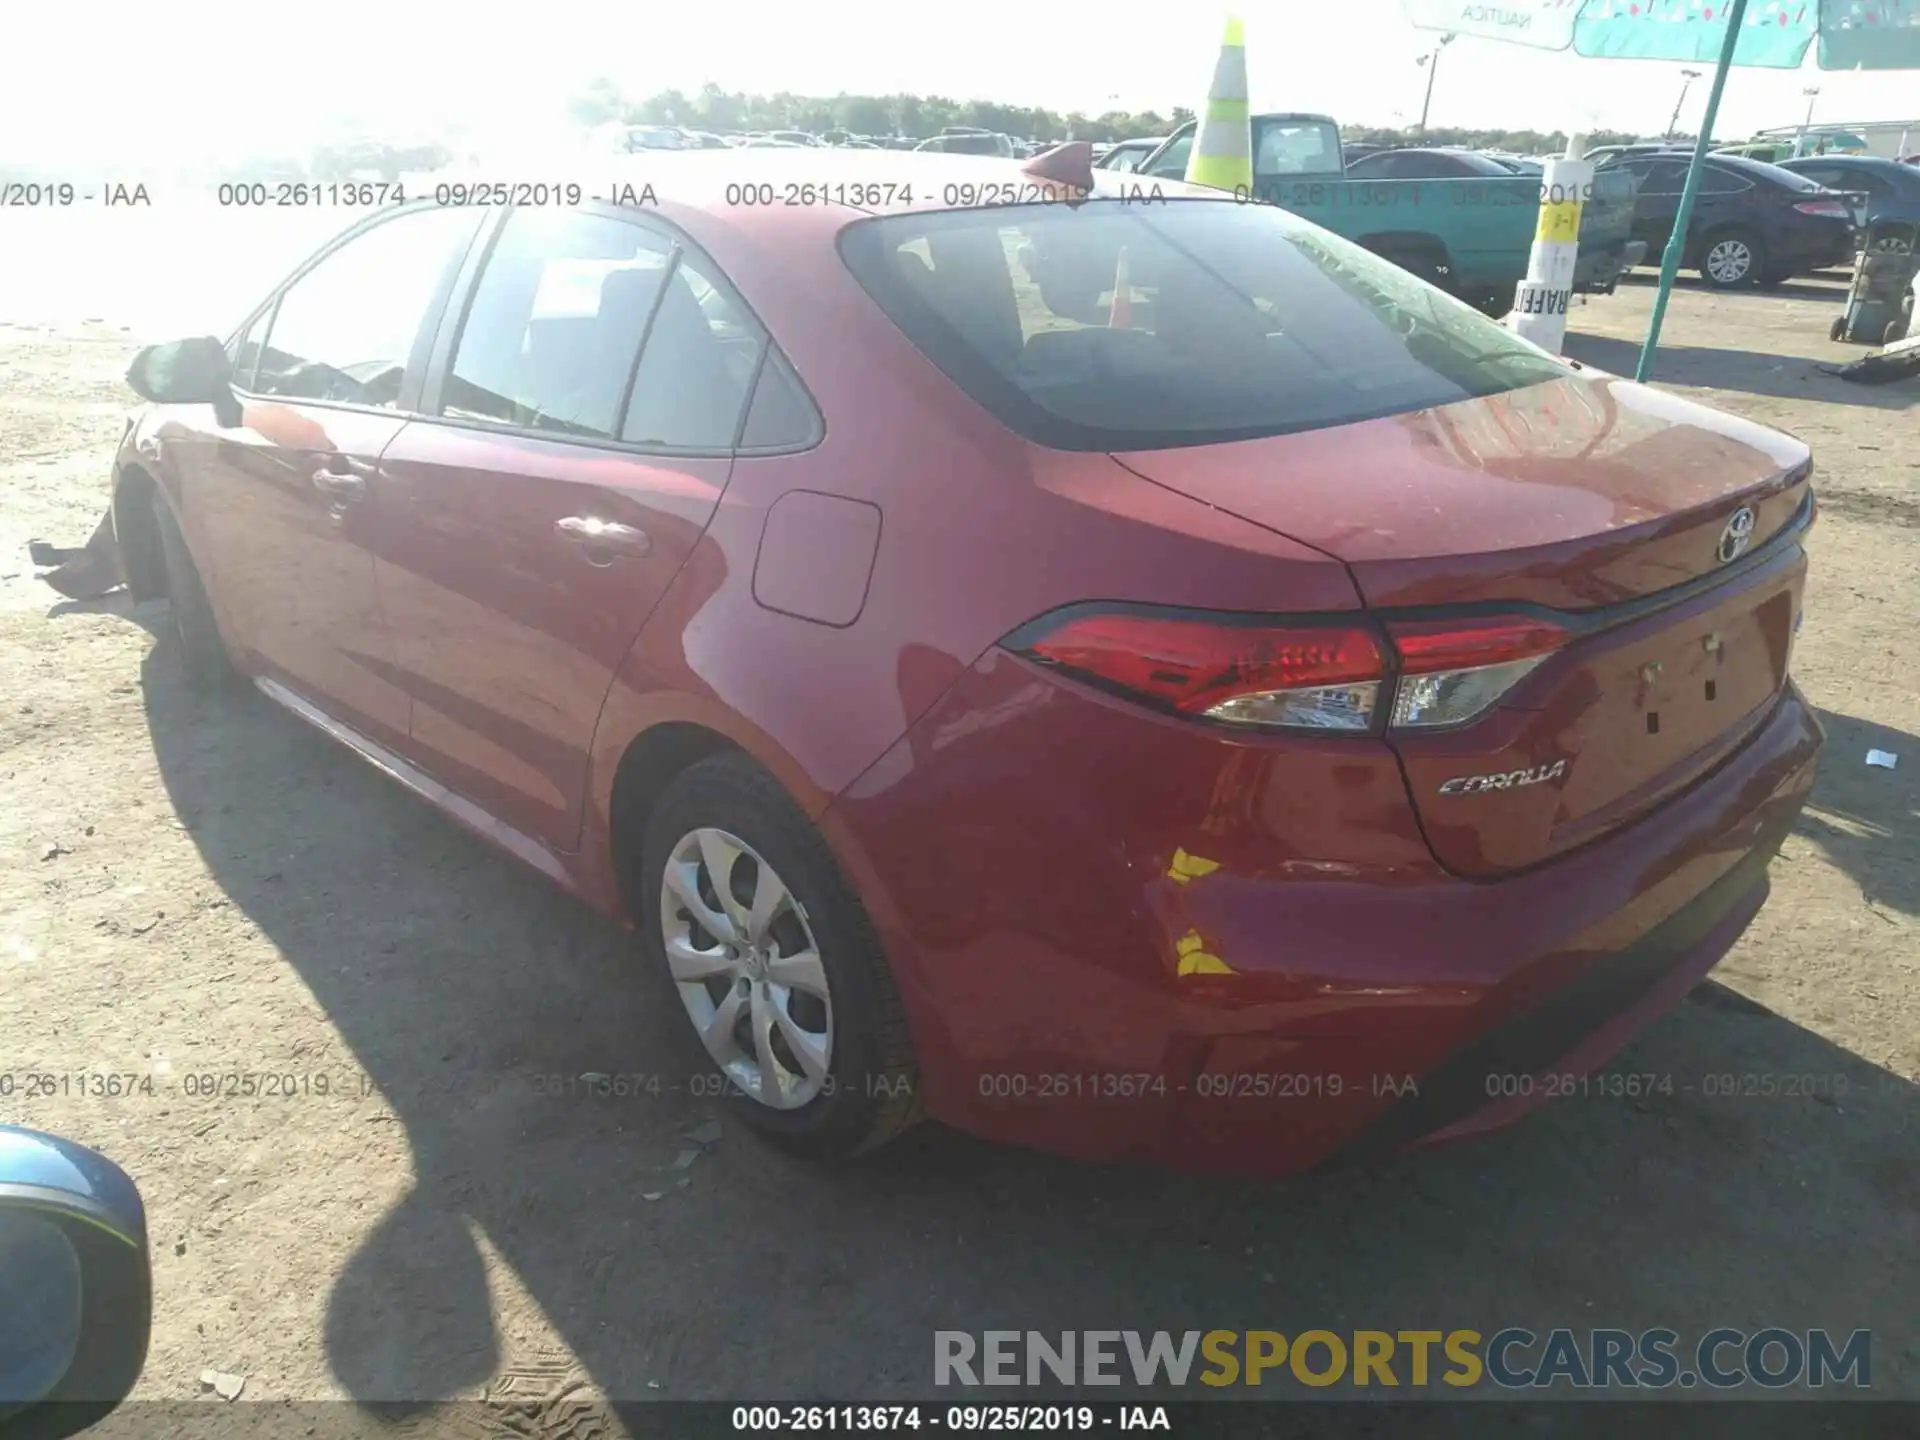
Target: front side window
{"x": 1124, "y": 327}
{"x": 1172, "y": 162}
{"x": 343, "y": 331}
{"x": 553, "y": 332}
{"x": 245, "y": 354}
{"x": 1660, "y": 177}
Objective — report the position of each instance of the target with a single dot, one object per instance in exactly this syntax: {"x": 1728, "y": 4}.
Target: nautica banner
{"x": 1547, "y": 24}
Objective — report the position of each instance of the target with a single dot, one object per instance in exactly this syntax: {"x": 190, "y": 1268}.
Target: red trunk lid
{"x": 1583, "y": 496}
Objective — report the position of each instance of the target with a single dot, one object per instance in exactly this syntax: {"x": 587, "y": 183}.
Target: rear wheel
{"x": 1732, "y": 259}
{"x": 202, "y": 655}
{"x": 775, "y": 962}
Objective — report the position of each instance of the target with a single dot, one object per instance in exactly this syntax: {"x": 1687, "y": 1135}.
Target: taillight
{"x": 1293, "y": 676}
{"x": 1299, "y": 676}
{"x": 1833, "y": 208}
{"x": 1453, "y": 671}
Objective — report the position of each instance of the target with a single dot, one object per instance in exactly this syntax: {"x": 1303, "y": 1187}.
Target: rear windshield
{"x": 1126, "y": 326}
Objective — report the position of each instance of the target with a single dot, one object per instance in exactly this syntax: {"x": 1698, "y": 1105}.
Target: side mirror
{"x": 187, "y": 372}
{"x": 76, "y": 1286}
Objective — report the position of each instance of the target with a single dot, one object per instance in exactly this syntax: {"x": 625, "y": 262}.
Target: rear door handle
{"x": 604, "y": 537}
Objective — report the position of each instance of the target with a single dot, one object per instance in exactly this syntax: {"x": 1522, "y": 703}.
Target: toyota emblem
{"x": 1737, "y": 535}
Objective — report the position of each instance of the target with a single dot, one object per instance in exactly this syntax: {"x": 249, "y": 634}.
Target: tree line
{"x": 918, "y": 116}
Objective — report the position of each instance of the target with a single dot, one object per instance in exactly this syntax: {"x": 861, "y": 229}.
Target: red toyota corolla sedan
{"x": 1141, "y": 677}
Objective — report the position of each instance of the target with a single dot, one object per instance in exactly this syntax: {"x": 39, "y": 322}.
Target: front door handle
{"x": 604, "y": 537}
{"x": 339, "y": 486}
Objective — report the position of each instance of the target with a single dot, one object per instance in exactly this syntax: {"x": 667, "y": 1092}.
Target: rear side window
{"x": 1122, "y": 326}
{"x": 696, "y": 369}
{"x": 553, "y": 332}
{"x": 781, "y": 416}
{"x": 1792, "y": 179}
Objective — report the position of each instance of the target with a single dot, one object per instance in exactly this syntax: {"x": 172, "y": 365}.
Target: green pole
{"x": 1677, "y": 246}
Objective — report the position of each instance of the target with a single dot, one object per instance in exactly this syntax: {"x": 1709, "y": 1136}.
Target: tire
{"x": 864, "y": 1090}
{"x": 1732, "y": 259}
{"x": 203, "y": 656}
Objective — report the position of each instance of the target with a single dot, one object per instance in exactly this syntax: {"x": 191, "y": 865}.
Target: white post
{"x": 1541, "y": 301}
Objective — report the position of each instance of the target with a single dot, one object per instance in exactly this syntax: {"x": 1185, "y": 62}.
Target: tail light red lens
{"x": 1312, "y": 677}
{"x": 1454, "y": 671}
{"x": 1835, "y": 208}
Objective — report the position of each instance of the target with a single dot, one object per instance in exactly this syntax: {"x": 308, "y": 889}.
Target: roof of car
{"x": 1869, "y": 161}
{"x": 878, "y": 181}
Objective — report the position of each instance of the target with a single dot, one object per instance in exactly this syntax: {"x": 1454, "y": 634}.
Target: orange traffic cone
{"x": 1120, "y": 313}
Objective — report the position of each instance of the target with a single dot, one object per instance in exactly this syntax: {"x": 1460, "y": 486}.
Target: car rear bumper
{"x": 1119, "y": 936}
{"x": 1821, "y": 249}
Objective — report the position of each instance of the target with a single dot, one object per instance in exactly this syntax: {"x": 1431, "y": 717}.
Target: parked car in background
{"x": 970, "y": 142}
{"x": 620, "y": 139}
{"x": 796, "y": 137}
{"x": 1128, "y": 154}
{"x": 1517, "y": 164}
{"x": 1887, "y": 189}
{"x": 1770, "y": 152}
{"x": 1471, "y": 234}
{"x": 1426, "y": 165}
{"x": 703, "y": 140}
{"x": 1753, "y": 223}
{"x": 1303, "y": 676}
{"x": 1609, "y": 154}
{"x": 656, "y": 137}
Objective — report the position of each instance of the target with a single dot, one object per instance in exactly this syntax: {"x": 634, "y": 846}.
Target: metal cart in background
{"x": 1880, "y": 304}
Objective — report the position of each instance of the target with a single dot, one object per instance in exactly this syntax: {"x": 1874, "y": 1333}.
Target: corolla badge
{"x": 1737, "y": 535}
{"x": 1510, "y": 780}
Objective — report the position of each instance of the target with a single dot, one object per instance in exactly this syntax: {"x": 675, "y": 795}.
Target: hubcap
{"x": 1729, "y": 261}
{"x": 743, "y": 958}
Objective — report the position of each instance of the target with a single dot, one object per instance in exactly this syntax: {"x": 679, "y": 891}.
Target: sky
{"x": 144, "y": 83}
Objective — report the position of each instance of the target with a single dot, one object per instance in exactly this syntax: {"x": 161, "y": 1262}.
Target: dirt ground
{"x": 193, "y": 890}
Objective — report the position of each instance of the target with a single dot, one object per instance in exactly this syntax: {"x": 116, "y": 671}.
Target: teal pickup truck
{"x": 1471, "y": 236}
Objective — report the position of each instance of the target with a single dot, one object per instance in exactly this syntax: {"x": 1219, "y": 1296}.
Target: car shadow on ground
{"x": 457, "y": 977}
{"x": 1790, "y": 377}
{"x": 1866, "y": 819}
